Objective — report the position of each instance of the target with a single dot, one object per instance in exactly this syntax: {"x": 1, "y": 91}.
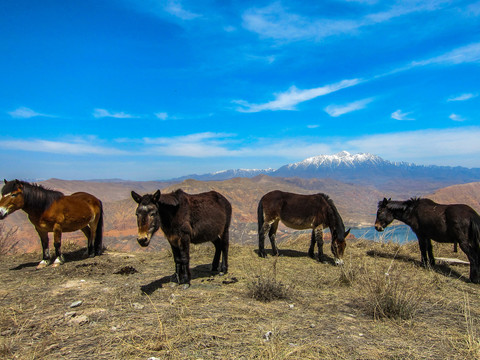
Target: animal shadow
{"x": 72, "y": 256}
{"x": 198, "y": 272}
{"x": 297, "y": 254}
{"x": 442, "y": 269}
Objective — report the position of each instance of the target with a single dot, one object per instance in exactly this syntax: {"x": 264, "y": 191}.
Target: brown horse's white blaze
{"x": 300, "y": 212}
{"x": 51, "y": 211}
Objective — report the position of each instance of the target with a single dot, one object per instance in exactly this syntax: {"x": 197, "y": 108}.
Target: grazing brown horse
{"x": 431, "y": 221}
{"x": 186, "y": 219}
{"x": 301, "y": 212}
{"x": 51, "y": 211}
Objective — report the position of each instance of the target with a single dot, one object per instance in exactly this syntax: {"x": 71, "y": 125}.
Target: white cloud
{"x": 26, "y": 113}
{"x": 59, "y": 147}
{"x": 162, "y": 115}
{"x": 337, "y": 110}
{"x": 465, "y": 54}
{"x": 175, "y": 8}
{"x": 276, "y": 22}
{"x": 289, "y": 99}
{"x": 101, "y": 113}
{"x": 423, "y": 146}
{"x": 462, "y": 97}
{"x": 313, "y": 126}
{"x": 456, "y": 117}
{"x": 402, "y": 116}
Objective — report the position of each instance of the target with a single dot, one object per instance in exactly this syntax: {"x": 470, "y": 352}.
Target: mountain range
{"x": 362, "y": 169}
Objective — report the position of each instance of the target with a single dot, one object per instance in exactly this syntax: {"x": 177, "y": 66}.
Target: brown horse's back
{"x": 294, "y": 210}
{"x": 72, "y": 212}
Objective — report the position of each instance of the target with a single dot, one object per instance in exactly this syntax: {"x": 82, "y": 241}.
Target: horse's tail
{"x": 475, "y": 231}
{"x": 260, "y": 216}
{"x": 98, "y": 243}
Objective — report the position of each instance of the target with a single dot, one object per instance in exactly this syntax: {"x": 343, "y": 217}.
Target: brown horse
{"x": 301, "y": 212}
{"x": 51, "y": 211}
{"x": 457, "y": 223}
{"x": 185, "y": 219}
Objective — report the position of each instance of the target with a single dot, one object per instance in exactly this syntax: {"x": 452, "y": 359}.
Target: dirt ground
{"x": 128, "y": 308}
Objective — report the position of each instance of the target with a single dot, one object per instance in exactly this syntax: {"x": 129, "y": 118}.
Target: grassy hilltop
{"x": 380, "y": 304}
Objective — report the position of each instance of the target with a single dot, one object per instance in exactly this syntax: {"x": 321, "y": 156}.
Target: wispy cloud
{"x": 430, "y": 146}
{"x": 402, "y": 116}
{"x": 289, "y": 99}
{"x": 201, "y": 145}
{"x": 465, "y": 54}
{"x": 278, "y": 23}
{"x": 175, "y": 8}
{"x": 463, "y": 97}
{"x": 456, "y": 117}
{"x": 337, "y": 110}
{"x": 161, "y": 115}
{"x": 101, "y": 113}
{"x": 26, "y": 113}
{"x": 77, "y": 147}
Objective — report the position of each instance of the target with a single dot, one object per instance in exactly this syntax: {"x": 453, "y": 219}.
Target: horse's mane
{"x": 401, "y": 205}
{"x": 35, "y": 196}
{"x": 337, "y": 219}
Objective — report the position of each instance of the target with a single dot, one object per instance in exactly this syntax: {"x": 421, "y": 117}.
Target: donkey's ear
{"x": 156, "y": 196}
{"x": 136, "y": 197}
{"x": 170, "y": 200}
{"x": 385, "y": 201}
{"x": 5, "y": 181}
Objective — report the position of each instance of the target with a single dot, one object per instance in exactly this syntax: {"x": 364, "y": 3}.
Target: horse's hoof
{"x": 42, "y": 264}
{"x": 185, "y": 286}
{"x": 57, "y": 262}
{"x": 262, "y": 254}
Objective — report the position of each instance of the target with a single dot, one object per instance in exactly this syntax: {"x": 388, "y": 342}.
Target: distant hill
{"x": 363, "y": 169}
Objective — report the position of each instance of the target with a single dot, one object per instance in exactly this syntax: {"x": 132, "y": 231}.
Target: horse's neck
{"x": 404, "y": 216}
{"x": 36, "y": 205}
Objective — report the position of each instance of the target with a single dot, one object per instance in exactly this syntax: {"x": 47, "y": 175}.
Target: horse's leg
{"x": 45, "y": 250}
{"x": 184, "y": 260}
{"x": 225, "y": 244}
{"x": 422, "y": 243}
{"x": 88, "y": 234}
{"x": 57, "y": 242}
{"x": 218, "y": 251}
{"x": 262, "y": 234}
{"x": 318, "y": 234}
{"x": 431, "y": 259}
{"x": 311, "y": 249}
{"x": 176, "y": 258}
{"x": 272, "y": 233}
{"x": 474, "y": 259}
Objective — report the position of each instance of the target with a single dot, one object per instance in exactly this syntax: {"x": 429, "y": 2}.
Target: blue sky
{"x": 156, "y": 89}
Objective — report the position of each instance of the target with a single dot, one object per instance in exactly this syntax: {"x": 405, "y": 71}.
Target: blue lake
{"x": 397, "y": 233}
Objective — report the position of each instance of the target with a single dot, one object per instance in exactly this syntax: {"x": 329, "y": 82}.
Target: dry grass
{"x": 328, "y": 312}
{"x": 8, "y": 239}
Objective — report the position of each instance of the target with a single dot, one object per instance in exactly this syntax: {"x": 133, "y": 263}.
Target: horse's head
{"x": 148, "y": 218}
{"x": 12, "y": 198}
{"x": 384, "y": 215}
{"x": 338, "y": 246}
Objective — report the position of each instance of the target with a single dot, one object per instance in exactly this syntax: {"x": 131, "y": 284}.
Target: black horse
{"x": 301, "y": 212}
{"x": 442, "y": 223}
{"x": 186, "y": 219}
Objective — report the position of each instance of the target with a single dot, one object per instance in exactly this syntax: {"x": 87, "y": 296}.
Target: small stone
{"x": 70, "y": 313}
{"x": 267, "y": 336}
{"x": 76, "y": 304}
{"x": 79, "y": 320}
{"x": 291, "y": 306}
{"x": 138, "y": 306}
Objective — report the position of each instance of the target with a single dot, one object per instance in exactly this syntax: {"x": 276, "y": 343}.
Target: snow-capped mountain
{"x": 360, "y": 168}
{"x": 228, "y": 174}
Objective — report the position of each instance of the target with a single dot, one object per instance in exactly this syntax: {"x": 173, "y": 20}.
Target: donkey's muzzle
{"x": 143, "y": 242}
{"x": 378, "y": 227}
